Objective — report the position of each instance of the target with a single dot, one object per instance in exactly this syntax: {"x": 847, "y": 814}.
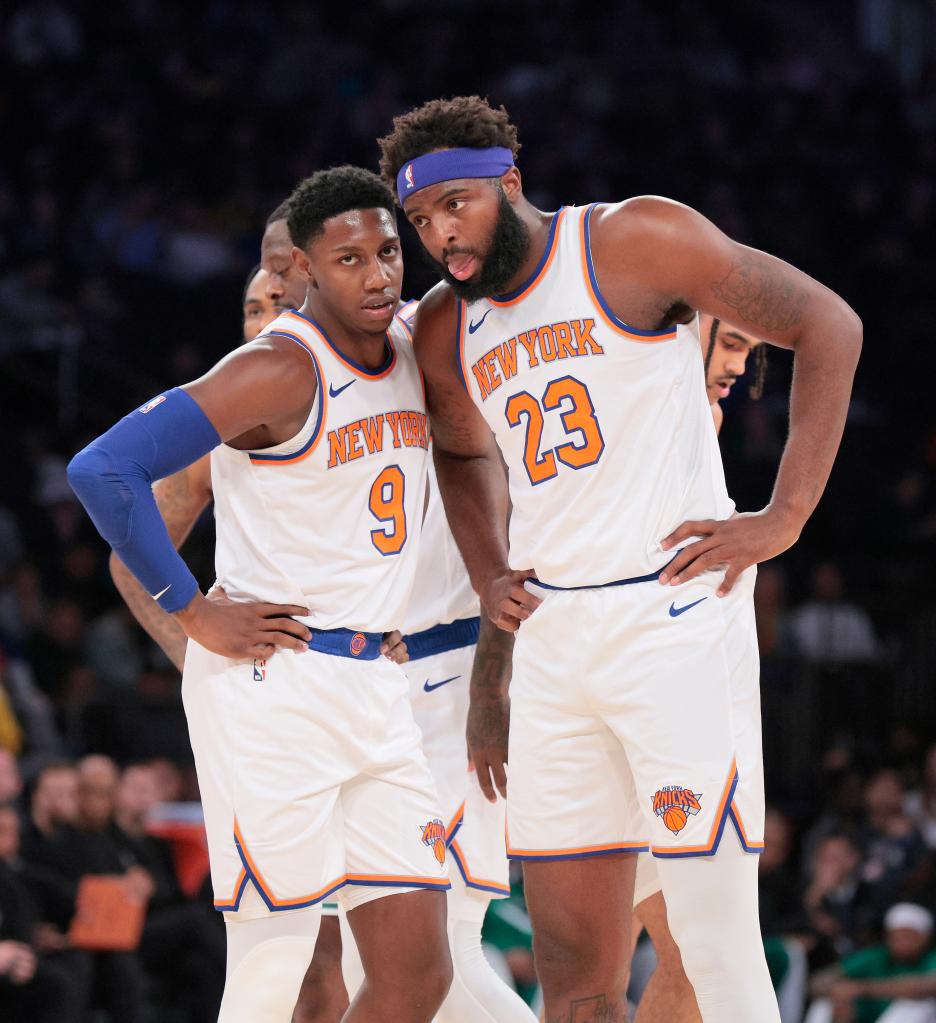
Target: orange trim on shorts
{"x": 472, "y": 881}
{"x": 454, "y": 822}
{"x": 746, "y": 844}
{"x": 718, "y": 824}
{"x": 234, "y": 901}
{"x": 542, "y": 273}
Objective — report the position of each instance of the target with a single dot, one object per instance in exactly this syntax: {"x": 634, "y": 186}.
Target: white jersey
{"x": 606, "y": 430}
{"x": 331, "y": 518}
{"x": 443, "y": 592}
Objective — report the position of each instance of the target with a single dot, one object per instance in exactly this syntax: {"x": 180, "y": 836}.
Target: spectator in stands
{"x": 829, "y": 627}
{"x": 892, "y": 982}
{"x": 183, "y": 940}
{"x": 920, "y": 805}
{"x": 836, "y": 900}
{"x": 894, "y": 858}
{"x": 31, "y": 988}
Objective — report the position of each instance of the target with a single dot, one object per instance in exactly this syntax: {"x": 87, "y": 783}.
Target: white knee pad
{"x": 477, "y": 992}
{"x": 267, "y": 959}
{"x": 711, "y": 906}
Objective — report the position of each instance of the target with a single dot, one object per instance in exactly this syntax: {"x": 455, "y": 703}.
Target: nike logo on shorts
{"x": 333, "y": 391}
{"x": 675, "y": 612}
{"x": 428, "y": 688}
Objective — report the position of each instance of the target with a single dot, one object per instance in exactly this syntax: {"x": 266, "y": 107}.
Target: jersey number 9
{"x": 386, "y": 505}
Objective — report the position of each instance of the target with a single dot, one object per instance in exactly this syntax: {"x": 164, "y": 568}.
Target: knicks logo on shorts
{"x": 259, "y": 673}
{"x": 675, "y": 805}
{"x": 358, "y": 642}
{"x": 433, "y": 834}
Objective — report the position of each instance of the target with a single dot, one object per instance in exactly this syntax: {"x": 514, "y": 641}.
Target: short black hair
{"x": 253, "y": 273}
{"x": 330, "y": 192}
{"x": 468, "y": 122}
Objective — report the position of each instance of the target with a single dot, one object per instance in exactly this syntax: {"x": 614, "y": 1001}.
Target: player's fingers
{"x": 283, "y": 640}
{"x": 287, "y": 625}
{"x": 259, "y": 651}
{"x": 704, "y": 563}
{"x": 500, "y": 775}
{"x": 683, "y": 558}
{"x": 515, "y": 609}
{"x": 282, "y": 611}
{"x": 524, "y": 597}
{"x": 693, "y": 527}
{"x": 731, "y": 577}
{"x": 507, "y": 622}
{"x": 482, "y": 772}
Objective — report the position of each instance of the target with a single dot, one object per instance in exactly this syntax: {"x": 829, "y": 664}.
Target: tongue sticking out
{"x": 461, "y": 267}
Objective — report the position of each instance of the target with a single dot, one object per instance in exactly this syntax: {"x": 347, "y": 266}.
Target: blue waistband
{"x": 363, "y": 646}
{"x": 441, "y": 638}
{"x": 617, "y": 582}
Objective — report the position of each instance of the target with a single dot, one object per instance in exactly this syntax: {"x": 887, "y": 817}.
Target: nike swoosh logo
{"x": 472, "y": 327}
{"x": 162, "y": 593}
{"x": 675, "y": 612}
{"x": 333, "y": 392}
{"x": 428, "y": 688}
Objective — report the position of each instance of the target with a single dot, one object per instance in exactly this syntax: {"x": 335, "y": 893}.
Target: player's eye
{"x": 419, "y": 222}
{"x": 391, "y": 250}
{"x": 456, "y": 204}
{"x": 348, "y": 260}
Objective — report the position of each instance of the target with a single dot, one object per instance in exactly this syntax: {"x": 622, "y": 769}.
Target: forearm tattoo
{"x": 765, "y": 294}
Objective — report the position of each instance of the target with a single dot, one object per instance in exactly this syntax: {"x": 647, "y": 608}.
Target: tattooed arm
{"x": 181, "y": 499}
{"x": 661, "y": 249}
{"x": 489, "y": 712}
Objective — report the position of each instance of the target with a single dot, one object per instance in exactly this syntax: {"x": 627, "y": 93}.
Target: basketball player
{"x": 300, "y": 724}
{"x": 725, "y": 350}
{"x": 635, "y": 705}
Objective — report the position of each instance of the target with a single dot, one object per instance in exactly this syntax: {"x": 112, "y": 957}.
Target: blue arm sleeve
{"x": 113, "y": 478}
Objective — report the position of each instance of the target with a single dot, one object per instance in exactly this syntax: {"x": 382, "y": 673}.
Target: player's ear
{"x": 512, "y": 185}
{"x": 303, "y": 264}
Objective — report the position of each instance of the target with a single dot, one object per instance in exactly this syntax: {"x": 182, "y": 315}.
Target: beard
{"x": 509, "y": 246}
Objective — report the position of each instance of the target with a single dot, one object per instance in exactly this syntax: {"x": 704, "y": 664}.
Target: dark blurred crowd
{"x": 145, "y": 143}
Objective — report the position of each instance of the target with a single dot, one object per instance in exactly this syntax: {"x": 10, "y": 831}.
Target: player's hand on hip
{"x": 393, "y": 647}
{"x": 243, "y": 630}
{"x": 732, "y": 544}
{"x": 487, "y": 732}
{"x": 507, "y": 602}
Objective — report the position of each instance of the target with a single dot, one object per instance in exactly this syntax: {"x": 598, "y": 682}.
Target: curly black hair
{"x": 468, "y": 122}
{"x": 330, "y": 192}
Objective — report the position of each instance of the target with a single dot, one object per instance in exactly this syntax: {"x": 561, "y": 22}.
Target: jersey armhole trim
{"x": 460, "y": 367}
{"x": 591, "y": 283}
{"x": 321, "y": 399}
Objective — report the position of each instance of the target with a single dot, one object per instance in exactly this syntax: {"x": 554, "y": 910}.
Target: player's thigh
{"x": 684, "y": 703}
{"x": 581, "y": 911}
{"x": 571, "y": 792}
{"x": 402, "y": 936}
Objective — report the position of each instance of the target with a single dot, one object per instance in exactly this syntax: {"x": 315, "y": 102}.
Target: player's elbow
{"x": 87, "y": 471}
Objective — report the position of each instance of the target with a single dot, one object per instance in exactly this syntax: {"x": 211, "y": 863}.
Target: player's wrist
{"x": 189, "y": 615}
{"x": 789, "y": 514}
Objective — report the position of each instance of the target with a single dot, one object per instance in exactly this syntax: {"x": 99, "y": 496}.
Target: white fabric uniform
{"x": 310, "y": 767}
{"x": 635, "y": 717}
{"x": 441, "y": 632}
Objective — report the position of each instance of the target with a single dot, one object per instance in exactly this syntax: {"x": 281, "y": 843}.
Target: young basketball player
{"x": 308, "y": 757}
{"x": 568, "y": 344}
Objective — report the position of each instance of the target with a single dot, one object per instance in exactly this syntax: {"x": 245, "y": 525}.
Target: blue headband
{"x": 449, "y": 164}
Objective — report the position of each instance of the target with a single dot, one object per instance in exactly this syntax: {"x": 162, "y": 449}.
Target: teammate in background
{"x": 669, "y": 997}
{"x": 182, "y": 497}
{"x": 330, "y": 789}
{"x": 636, "y": 718}
{"x": 725, "y": 351}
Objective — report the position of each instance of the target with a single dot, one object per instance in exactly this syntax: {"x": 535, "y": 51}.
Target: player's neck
{"x": 366, "y": 349}
{"x": 538, "y": 224}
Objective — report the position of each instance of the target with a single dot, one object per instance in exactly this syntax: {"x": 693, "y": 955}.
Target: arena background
{"x": 142, "y": 146}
